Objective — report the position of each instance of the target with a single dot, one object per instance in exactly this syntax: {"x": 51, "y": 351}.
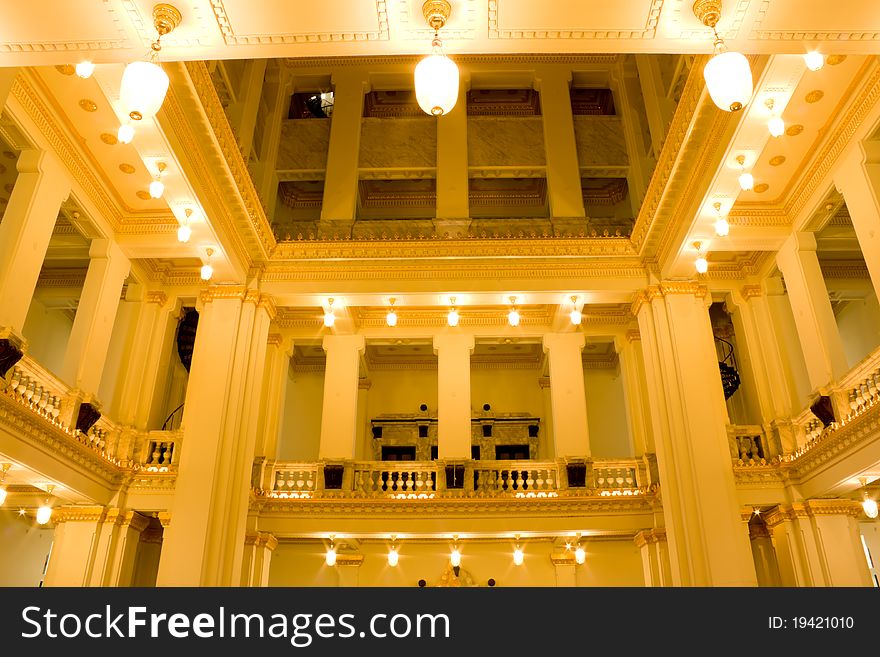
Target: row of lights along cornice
{"x": 44, "y": 511}
{"x": 331, "y": 555}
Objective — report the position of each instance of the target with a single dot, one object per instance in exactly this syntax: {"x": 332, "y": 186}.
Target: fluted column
{"x": 453, "y": 394}
{"x": 339, "y": 206}
{"x": 339, "y": 411}
{"x": 90, "y": 337}
{"x": 814, "y": 318}
{"x": 453, "y": 209}
{"x": 204, "y": 543}
{"x": 278, "y": 353}
{"x": 571, "y": 433}
{"x": 563, "y": 168}
{"x": 258, "y": 549}
{"x": 655, "y": 556}
{"x": 706, "y": 544}
{"x": 632, "y": 369}
{"x": 42, "y": 185}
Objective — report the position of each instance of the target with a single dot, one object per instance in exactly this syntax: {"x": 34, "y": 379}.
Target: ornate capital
{"x": 263, "y": 540}
{"x": 835, "y": 507}
{"x": 633, "y": 335}
{"x": 274, "y": 339}
{"x": 749, "y": 291}
{"x": 650, "y": 537}
{"x": 544, "y": 381}
{"x": 79, "y": 514}
{"x": 156, "y": 296}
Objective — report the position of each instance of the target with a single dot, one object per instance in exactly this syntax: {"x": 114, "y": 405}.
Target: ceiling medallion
{"x": 66, "y": 69}
{"x": 141, "y": 194}
{"x": 88, "y": 105}
{"x": 794, "y": 130}
{"x": 815, "y": 96}
{"x": 777, "y": 160}
{"x": 126, "y": 168}
{"x": 109, "y": 139}
{"x": 834, "y": 60}
{"x": 760, "y": 188}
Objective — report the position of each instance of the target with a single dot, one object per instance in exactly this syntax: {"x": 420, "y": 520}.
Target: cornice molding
{"x": 78, "y": 514}
{"x": 461, "y": 60}
{"x": 664, "y": 289}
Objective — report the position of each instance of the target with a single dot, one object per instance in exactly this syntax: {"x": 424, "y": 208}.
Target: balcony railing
{"x": 414, "y": 480}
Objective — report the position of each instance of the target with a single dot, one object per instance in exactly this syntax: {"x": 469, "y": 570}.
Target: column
{"x": 7, "y": 78}
{"x": 453, "y": 395}
{"x": 570, "y": 429}
{"x": 258, "y": 549}
{"x": 453, "y": 208}
{"x": 563, "y": 168}
{"x": 658, "y": 107}
{"x": 348, "y": 566}
{"x": 204, "y": 543}
{"x": 858, "y": 178}
{"x": 566, "y": 569}
{"x": 243, "y": 114}
{"x": 95, "y": 315}
{"x": 632, "y": 369}
{"x": 546, "y": 437}
{"x": 816, "y": 327}
{"x": 42, "y": 185}
{"x": 116, "y": 547}
{"x": 339, "y": 206}
{"x": 339, "y": 412}
{"x": 278, "y": 88}
{"x": 655, "y": 556}
{"x": 143, "y": 363}
{"x": 707, "y": 546}
{"x": 362, "y": 435}
{"x": 278, "y": 353}
{"x": 763, "y": 551}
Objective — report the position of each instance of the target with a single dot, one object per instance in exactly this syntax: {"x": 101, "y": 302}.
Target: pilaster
{"x": 655, "y": 556}
{"x": 339, "y": 410}
{"x": 258, "y": 549}
{"x": 454, "y": 394}
{"x": 570, "y": 427}
{"x": 452, "y": 164}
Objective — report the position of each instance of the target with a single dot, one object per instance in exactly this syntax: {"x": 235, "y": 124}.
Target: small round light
{"x": 330, "y": 557}
{"x": 576, "y": 317}
{"x": 722, "y": 227}
{"x": 746, "y": 182}
{"x": 518, "y": 556}
{"x": 393, "y": 557}
{"x": 85, "y": 69}
{"x": 207, "y": 272}
{"x": 157, "y": 188}
{"x": 184, "y": 232}
{"x": 870, "y": 507}
{"x": 814, "y": 60}
{"x": 3, "y": 494}
{"x": 579, "y": 555}
{"x": 329, "y": 319}
{"x": 776, "y": 126}
{"x": 391, "y": 318}
{"x": 513, "y": 317}
{"x": 455, "y": 558}
{"x": 453, "y": 317}
{"x": 44, "y": 514}
{"x": 125, "y": 133}
{"x": 701, "y": 265}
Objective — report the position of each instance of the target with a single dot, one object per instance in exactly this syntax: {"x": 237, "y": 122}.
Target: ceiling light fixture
{"x": 579, "y": 555}
{"x": 814, "y": 60}
{"x": 157, "y": 187}
{"x": 329, "y": 317}
{"x": 728, "y": 76}
{"x": 513, "y": 316}
{"x": 393, "y": 556}
{"x": 44, "y": 513}
{"x": 575, "y": 315}
{"x": 391, "y": 317}
{"x": 125, "y": 133}
{"x": 700, "y": 264}
{"x": 722, "y": 227}
{"x": 207, "y": 270}
{"x": 436, "y": 76}
{"x": 746, "y": 179}
{"x": 144, "y": 83}
{"x": 775, "y": 125}
{"x": 453, "y": 316}
{"x": 869, "y": 505}
{"x": 518, "y": 555}
{"x": 184, "y": 232}
{"x": 330, "y": 557}
{"x": 85, "y": 69}
{"x": 455, "y": 555}
{"x": 4, "y": 468}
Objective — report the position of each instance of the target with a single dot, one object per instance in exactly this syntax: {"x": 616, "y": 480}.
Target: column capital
{"x": 157, "y": 297}
{"x": 575, "y": 340}
{"x": 34, "y": 160}
{"x": 261, "y": 539}
{"x": 664, "y": 289}
{"x": 344, "y": 341}
{"x": 78, "y": 514}
{"x": 549, "y": 72}
{"x": 650, "y": 536}
{"x": 274, "y": 339}
{"x": 800, "y": 241}
{"x": 453, "y": 341}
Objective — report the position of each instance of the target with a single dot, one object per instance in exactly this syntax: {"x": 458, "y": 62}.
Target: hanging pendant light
{"x": 184, "y": 232}
{"x": 513, "y": 316}
{"x": 575, "y": 315}
{"x": 125, "y": 133}
{"x": 722, "y": 227}
{"x": 700, "y": 264}
{"x": 85, "y": 69}
{"x": 157, "y": 187}
{"x": 728, "y": 75}
{"x": 4, "y": 468}
{"x": 329, "y": 316}
{"x": 393, "y": 555}
{"x": 869, "y": 505}
{"x": 144, "y": 83}
{"x": 436, "y": 76}
{"x": 453, "y": 316}
{"x": 814, "y": 60}
{"x": 44, "y": 513}
{"x": 330, "y": 556}
{"x": 391, "y": 316}
{"x": 776, "y": 126}
{"x": 746, "y": 179}
{"x": 207, "y": 270}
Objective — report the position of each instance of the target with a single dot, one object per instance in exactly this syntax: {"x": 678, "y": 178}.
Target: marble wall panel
{"x": 505, "y": 141}
{"x": 600, "y": 141}
{"x": 398, "y": 142}
{"x": 304, "y": 144}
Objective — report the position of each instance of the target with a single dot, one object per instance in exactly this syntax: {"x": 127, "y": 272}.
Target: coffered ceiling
{"x": 52, "y": 32}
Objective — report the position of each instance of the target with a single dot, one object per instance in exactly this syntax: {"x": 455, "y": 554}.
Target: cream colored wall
{"x": 23, "y": 550}
{"x": 301, "y": 431}
{"x": 401, "y": 391}
{"x": 859, "y": 326}
{"x": 507, "y": 391}
{"x": 790, "y": 346}
{"x": 47, "y": 331}
{"x": 117, "y": 351}
{"x": 606, "y": 413}
{"x": 609, "y": 563}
